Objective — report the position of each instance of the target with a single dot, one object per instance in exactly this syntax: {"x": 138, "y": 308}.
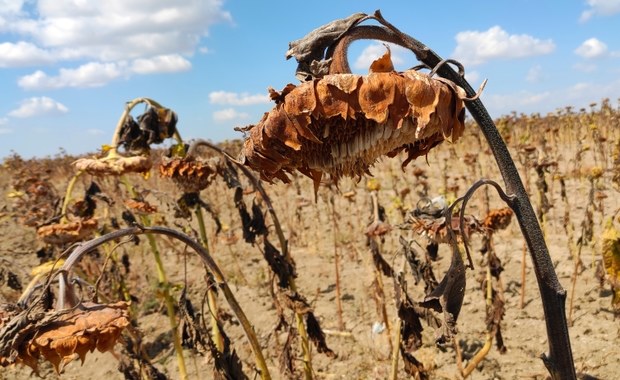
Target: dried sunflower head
{"x": 498, "y": 219}
{"x": 191, "y": 175}
{"x": 115, "y": 165}
{"x": 62, "y": 233}
{"x": 342, "y": 123}
{"x": 59, "y": 336}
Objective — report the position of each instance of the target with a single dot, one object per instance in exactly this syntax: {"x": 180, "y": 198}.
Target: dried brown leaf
{"x": 62, "y": 233}
{"x": 115, "y": 166}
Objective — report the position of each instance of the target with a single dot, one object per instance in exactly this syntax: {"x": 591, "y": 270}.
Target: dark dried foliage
{"x": 152, "y": 127}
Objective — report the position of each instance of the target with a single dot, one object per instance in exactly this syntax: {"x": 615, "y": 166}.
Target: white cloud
{"x": 38, "y": 106}
{"x": 475, "y": 47}
{"x": 92, "y": 74}
{"x": 534, "y": 74}
{"x": 119, "y": 29}
{"x": 377, "y": 50}
{"x": 116, "y": 37}
{"x": 592, "y": 48}
{"x": 96, "y": 74}
{"x": 22, "y": 54}
{"x": 236, "y": 99}
{"x": 160, "y": 64}
{"x": 600, "y": 7}
{"x": 229, "y": 114}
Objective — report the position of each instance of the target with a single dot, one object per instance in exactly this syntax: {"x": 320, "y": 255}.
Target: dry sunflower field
{"x": 291, "y": 253}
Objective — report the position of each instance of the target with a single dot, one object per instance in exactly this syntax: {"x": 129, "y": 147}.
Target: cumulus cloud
{"x": 475, "y": 47}
{"x": 23, "y": 54}
{"x": 601, "y": 8}
{"x": 377, "y": 50}
{"x": 160, "y": 64}
{"x": 96, "y": 74}
{"x": 117, "y": 37}
{"x": 118, "y": 29}
{"x": 592, "y": 48}
{"x": 237, "y": 99}
{"x": 92, "y": 74}
{"x": 38, "y": 106}
{"x": 229, "y": 114}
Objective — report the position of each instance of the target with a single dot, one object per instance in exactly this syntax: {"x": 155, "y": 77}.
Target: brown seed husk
{"x": 114, "y": 166}
{"x": 70, "y": 232}
{"x": 342, "y": 123}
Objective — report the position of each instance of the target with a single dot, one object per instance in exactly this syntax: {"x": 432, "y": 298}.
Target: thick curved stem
{"x": 206, "y": 258}
{"x": 559, "y": 362}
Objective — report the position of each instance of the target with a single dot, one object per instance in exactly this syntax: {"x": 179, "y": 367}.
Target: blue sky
{"x": 67, "y": 67}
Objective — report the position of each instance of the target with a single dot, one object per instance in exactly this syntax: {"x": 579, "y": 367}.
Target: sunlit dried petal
{"x": 498, "y": 219}
{"x": 139, "y": 207}
{"x": 342, "y": 123}
{"x": 115, "y": 166}
{"x": 70, "y": 232}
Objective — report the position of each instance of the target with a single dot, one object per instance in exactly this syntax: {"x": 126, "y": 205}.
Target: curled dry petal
{"x": 143, "y": 208}
{"x": 342, "y": 123}
{"x": 70, "y": 232}
{"x": 114, "y": 165}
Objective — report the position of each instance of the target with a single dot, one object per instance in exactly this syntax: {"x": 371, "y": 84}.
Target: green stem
{"x": 65, "y": 203}
{"x": 299, "y": 320}
{"x": 164, "y": 284}
{"x": 211, "y": 295}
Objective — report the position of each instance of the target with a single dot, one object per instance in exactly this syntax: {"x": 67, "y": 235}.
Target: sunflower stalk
{"x": 164, "y": 285}
{"x": 299, "y": 319}
{"x": 66, "y": 292}
{"x": 211, "y": 295}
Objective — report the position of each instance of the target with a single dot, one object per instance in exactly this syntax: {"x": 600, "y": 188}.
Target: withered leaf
{"x": 280, "y": 266}
{"x": 69, "y": 232}
{"x": 447, "y": 297}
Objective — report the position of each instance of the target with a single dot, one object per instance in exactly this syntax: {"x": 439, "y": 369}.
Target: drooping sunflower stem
{"x": 65, "y": 270}
{"x": 67, "y": 199}
{"x": 163, "y": 284}
{"x": 299, "y": 318}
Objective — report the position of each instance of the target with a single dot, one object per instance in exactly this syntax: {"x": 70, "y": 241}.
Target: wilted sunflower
{"x": 61, "y": 335}
{"x": 114, "y": 164}
{"x": 498, "y": 219}
{"x": 70, "y": 232}
{"x": 190, "y": 174}
{"x": 342, "y": 123}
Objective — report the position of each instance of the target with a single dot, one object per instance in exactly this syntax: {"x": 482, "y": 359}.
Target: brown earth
{"x": 315, "y": 234}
